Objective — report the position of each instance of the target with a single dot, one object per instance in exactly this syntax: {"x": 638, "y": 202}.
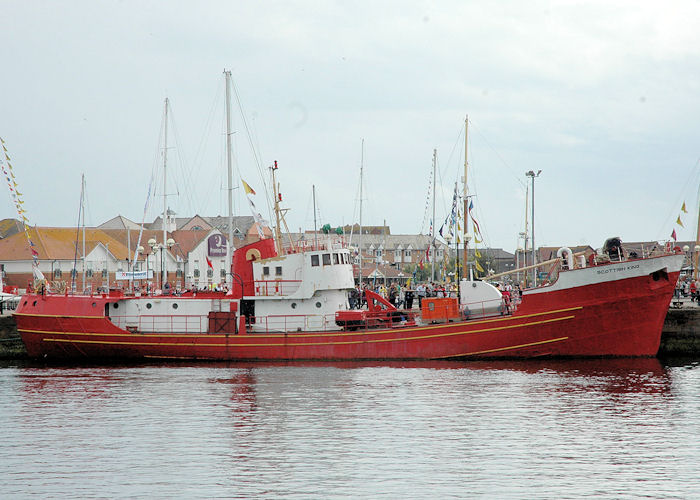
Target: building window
{"x": 57, "y": 274}
{"x": 104, "y": 273}
{"x": 223, "y": 273}
{"x": 326, "y": 259}
{"x": 178, "y": 273}
{"x": 378, "y": 252}
{"x": 196, "y": 273}
{"x": 210, "y": 273}
{"x": 278, "y": 270}
{"x": 314, "y": 260}
{"x": 407, "y": 253}
{"x": 88, "y": 272}
{"x": 266, "y": 271}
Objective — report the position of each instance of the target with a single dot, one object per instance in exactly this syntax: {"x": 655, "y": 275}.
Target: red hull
{"x": 613, "y": 318}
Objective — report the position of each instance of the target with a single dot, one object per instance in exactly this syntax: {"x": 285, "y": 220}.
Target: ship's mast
{"x": 279, "y": 215}
{"x": 313, "y": 191}
{"x": 229, "y": 163}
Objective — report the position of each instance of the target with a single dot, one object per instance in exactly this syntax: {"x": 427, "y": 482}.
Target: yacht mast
{"x": 229, "y": 247}
{"x": 82, "y": 210}
{"x": 465, "y": 265}
{"x": 163, "y": 272}
{"x": 362, "y": 163}
{"x": 432, "y": 225}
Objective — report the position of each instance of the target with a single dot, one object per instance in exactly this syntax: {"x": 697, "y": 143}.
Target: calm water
{"x": 608, "y": 429}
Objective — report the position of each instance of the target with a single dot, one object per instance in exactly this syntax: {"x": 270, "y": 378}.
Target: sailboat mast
{"x": 362, "y": 164}
{"x": 465, "y": 233}
{"x": 163, "y": 275}
{"x": 229, "y": 163}
{"x": 82, "y": 210}
{"x": 432, "y": 225}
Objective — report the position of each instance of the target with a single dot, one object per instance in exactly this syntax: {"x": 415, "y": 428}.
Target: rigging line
{"x": 73, "y": 275}
{"x": 691, "y": 180}
{"x": 182, "y": 159}
{"x": 197, "y": 164}
{"x": 522, "y": 183}
{"x": 427, "y": 201}
{"x": 252, "y": 147}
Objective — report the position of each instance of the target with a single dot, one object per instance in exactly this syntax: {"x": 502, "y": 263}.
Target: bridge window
{"x": 278, "y": 271}
{"x": 326, "y": 259}
{"x": 266, "y": 270}
{"x": 335, "y": 259}
{"x": 314, "y": 260}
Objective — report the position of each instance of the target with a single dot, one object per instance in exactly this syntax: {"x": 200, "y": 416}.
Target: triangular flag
{"x": 248, "y": 189}
{"x": 209, "y": 262}
{"x": 683, "y": 208}
{"x": 477, "y": 253}
{"x": 673, "y": 235}
{"x": 478, "y": 267}
{"x": 679, "y": 222}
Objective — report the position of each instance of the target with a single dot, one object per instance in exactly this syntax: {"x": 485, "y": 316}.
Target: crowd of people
{"x": 688, "y": 287}
{"x": 404, "y": 297}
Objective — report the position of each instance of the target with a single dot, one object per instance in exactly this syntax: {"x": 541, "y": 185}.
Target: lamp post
{"x": 139, "y": 251}
{"x": 164, "y": 268}
{"x": 153, "y": 244}
{"x": 532, "y": 175}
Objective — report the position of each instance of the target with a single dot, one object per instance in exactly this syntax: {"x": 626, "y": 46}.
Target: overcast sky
{"x": 603, "y": 97}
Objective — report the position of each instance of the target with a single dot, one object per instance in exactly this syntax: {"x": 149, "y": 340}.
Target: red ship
{"x": 615, "y": 308}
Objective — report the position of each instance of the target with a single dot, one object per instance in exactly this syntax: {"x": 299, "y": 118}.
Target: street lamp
{"x": 139, "y": 251}
{"x": 169, "y": 243}
{"x": 153, "y": 244}
{"x": 532, "y": 175}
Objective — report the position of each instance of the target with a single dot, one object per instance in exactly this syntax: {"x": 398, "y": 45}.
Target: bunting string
{"x": 6, "y": 166}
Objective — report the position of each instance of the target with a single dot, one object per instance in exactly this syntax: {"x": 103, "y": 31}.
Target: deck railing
{"x": 276, "y": 288}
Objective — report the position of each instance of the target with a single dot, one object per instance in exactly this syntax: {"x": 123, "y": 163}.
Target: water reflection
{"x": 550, "y": 428}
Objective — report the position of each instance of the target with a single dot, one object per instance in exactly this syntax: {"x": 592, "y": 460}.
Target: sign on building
{"x": 216, "y": 245}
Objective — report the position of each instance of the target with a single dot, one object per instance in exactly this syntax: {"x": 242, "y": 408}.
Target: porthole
{"x": 149, "y": 305}
{"x": 318, "y": 304}
{"x": 115, "y": 306}
{"x": 25, "y": 302}
{"x": 34, "y": 303}
{"x": 294, "y": 305}
{"x": 94, "y": 304}
{"x": 175, "y": 306}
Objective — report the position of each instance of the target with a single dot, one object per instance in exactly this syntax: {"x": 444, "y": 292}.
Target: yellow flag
{"x": 477, "y": 253}
{"x": 684, "y": 209}
{"x": 478, "y": 267}
{"x": 679, "y": 222}
{"x": 476, "y": 240}
{"x": 248, "y": 189}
